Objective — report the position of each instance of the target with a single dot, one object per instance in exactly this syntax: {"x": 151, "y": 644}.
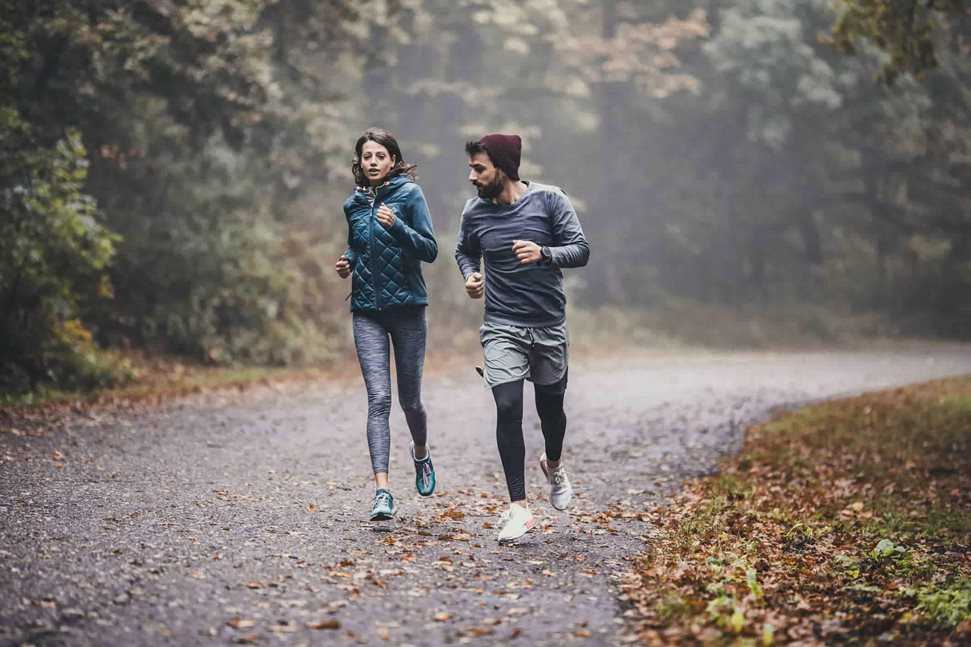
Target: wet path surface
{"x": 244, "y": 521}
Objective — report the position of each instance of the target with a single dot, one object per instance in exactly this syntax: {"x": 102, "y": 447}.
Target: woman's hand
{"x": 343, "y": 267}
{"x": 385, "y": 216}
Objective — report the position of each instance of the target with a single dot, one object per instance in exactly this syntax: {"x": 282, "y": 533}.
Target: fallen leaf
{"x": 239, "y": 623}
{"x": 329, "y": 623}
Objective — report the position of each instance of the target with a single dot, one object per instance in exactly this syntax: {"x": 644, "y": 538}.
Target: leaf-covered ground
{"x": 848, "y": 521}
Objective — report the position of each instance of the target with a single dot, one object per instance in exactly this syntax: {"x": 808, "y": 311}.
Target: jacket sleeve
{"x": 350, "y": 253}
{"x": 570, "y": 247}
{"x": 419, "y": 237}
{"x": 468, "y": 254}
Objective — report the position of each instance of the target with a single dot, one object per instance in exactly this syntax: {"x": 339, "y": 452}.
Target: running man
{"x": 526, "y": 232}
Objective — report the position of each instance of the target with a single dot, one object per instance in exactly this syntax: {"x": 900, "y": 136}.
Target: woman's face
{"x": 376, "y": 162}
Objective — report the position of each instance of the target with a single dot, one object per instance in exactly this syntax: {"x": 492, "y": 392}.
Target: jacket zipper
{"x": 374, "y": 286}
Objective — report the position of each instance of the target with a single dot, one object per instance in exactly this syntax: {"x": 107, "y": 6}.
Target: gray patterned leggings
{"x": 406, "y": 327}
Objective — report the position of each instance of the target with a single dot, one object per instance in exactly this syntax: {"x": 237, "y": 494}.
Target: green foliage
{"x": 946, "y": 606}
{"x": 54, "y": 253}
{"x": 886, "y": 549}
{"x": 195, "y": 156}
{"x": 906, "y": 31}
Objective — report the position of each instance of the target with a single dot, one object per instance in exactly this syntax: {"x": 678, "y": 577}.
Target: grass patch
{"x": 848, "y": 521}
{"x": 151, "y": 379}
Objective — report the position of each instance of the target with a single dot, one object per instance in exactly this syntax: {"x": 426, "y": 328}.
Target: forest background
{"x": 749, "y": 172}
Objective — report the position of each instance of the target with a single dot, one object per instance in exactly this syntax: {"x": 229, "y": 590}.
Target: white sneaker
{"x": 516, "y": 522}
{"x": 561, "y": 492}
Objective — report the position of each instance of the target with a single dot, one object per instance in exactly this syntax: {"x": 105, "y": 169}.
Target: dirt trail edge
{"x": 245, "y": 522}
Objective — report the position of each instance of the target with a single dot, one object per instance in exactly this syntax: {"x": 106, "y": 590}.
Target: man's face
{"x": 488, "y": 179}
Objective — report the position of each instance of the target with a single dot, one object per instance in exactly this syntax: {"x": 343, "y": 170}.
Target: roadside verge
{"x": 847, "y": 520}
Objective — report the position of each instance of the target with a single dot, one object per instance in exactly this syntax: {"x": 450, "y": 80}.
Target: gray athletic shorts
{"x": 513, "y": 353}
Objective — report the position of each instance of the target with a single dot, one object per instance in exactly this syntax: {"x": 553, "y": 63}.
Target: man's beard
{"x": 492, "y": 190}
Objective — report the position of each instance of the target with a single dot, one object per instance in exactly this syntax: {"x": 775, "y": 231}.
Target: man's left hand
{"x": 526, "y": 251}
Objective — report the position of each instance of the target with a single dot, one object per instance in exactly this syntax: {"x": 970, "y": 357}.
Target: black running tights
{"x": 509, "y": 428}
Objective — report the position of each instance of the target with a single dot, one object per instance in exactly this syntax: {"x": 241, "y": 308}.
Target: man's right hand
{"x": 343, "y": 267}
{"x": 475, "y": 285}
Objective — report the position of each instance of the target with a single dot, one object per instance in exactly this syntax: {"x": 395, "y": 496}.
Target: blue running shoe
{"x": 424, "y": 472}
{"x": 382, "y": 508}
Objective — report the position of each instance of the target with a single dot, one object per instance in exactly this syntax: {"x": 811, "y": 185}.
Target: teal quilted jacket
{"x": 386, "y": 262}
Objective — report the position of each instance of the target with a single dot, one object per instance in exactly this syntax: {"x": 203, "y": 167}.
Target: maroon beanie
{"x": 504, "y": 151}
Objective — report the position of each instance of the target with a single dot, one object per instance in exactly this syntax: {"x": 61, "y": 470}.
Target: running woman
{"x": 526, "y": 232}
{"x": 389, "y": 231}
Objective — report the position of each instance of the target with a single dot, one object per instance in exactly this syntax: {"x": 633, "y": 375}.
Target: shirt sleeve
{"x": 570, "y": 247}
{"x": 468, "y": 254}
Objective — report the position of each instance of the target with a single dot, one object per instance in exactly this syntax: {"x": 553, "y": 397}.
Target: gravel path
{"x": 242, "y": 521}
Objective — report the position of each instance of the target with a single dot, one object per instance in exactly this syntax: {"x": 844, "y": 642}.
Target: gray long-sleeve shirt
{"x": 531, "y": 295}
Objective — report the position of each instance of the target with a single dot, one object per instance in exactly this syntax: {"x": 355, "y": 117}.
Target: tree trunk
{"x": 605, "y": 274}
